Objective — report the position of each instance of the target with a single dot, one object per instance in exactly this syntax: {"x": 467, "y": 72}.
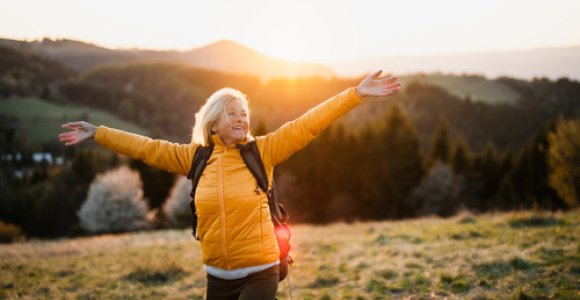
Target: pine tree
{"x": 529, "y": 176}
{"x": 364, "y": 175}
{"x": 399, "y": 161}
{"x": 521, "y": 179}
{"x": 84, "y": 165}
{"x": 490, "y": 174}
{"x": 460, "y": 157}
{"x": 440, "y": 147}
{"x": 507, "y": 162}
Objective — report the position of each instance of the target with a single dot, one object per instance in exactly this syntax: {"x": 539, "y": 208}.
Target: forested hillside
{"x": 27, "y": 74}
{"x": 443, "y": 144}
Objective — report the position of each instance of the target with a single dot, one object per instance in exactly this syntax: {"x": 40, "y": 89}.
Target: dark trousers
{"x": 257, "y": 286}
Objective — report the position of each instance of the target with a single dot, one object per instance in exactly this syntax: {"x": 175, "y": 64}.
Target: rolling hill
{"x": 232, "y": 57}
{"x": 462, "y": 74}
{"x": 526, "y": 64}
{"x": 225, "y": 56}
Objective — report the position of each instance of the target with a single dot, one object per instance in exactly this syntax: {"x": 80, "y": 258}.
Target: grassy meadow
{"x": 521, "y": 255}
{"x": 40, "y": 120}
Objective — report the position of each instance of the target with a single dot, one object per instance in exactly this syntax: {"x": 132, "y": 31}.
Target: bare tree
{"x": 115, "y": 203}
{"x": 437, "y": 193}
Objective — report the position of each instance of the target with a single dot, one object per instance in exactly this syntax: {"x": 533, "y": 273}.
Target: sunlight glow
{"x": 320, "y": 30}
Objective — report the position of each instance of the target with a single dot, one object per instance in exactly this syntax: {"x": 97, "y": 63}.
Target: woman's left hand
{"x": 79, "y": 132}
{"x": 373, "y": 86}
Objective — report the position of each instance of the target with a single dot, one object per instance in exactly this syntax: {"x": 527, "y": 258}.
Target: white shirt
{"x": 237, "y": 273}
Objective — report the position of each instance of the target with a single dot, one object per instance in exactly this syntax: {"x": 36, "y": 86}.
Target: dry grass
{"x": 519, "y": 256}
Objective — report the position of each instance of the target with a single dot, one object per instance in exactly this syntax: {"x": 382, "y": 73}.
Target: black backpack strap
{"x": 251, "y": 157}
{"x": 202, "y": 154}
{"x": 253, "y": 160}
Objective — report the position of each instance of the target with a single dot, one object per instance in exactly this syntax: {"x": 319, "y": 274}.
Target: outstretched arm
{"x": 295, "y": 135}
{"x": 80, "y": 131}
{"x": 172, "y": 157}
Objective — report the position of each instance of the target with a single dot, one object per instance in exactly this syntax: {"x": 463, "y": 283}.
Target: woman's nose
{"x": 238, "y": 119}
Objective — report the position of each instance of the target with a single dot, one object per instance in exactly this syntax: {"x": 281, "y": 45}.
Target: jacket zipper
{"x": 222, "y": 208}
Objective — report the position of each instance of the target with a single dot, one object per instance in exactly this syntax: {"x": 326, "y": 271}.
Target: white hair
{"x": 209, "y": 113}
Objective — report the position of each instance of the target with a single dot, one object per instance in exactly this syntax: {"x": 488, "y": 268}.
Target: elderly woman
{"x": 239, "y": 248}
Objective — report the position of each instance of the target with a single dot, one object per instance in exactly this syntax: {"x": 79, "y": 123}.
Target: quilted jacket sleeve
{"x": 171, "y": 157}
{"x": 295, "y": 135}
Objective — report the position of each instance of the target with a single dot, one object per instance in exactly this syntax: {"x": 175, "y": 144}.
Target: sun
{"x": 294, "y": 31}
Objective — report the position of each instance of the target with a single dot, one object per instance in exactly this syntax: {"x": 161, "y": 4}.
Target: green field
{"x": 478, "y": 88}
{"x": 500, "y": 256}
{"x": 39, "y": 121}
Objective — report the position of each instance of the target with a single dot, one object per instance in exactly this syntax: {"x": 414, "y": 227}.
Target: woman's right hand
{"x": 80, "y": 131}
{"x": 373, "y": 86}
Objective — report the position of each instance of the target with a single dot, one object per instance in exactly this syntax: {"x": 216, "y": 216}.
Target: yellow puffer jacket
{"x": 234, "y": 226}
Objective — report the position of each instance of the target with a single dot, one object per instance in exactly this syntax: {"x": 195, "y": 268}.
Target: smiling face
{"x": 233, "y": 124}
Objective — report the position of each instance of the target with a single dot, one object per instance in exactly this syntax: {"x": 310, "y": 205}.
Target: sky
{"x": 302, "y": 30}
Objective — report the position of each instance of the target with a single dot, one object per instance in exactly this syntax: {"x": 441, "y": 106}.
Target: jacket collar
{"x": 217, "y": 141}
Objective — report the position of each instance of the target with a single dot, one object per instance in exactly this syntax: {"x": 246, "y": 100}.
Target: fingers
{"x": 388, "y": 92}
{"x": 392, "y": 86}
{"x": 389, "y": 80}
{"x": 65, "y": 135}
{"x": 78, "y": 125}
{"x": 371, "y": 77}
{"x": 375, "y": 74}
{"x": 389, "y": 89}
{"x": 69, "y": 138}
{"x": 73, "y": 125}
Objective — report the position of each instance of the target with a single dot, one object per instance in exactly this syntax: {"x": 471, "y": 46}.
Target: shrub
{"x": 437, "y": 193}
{"x": 114, "y": 203}
{"x": 176, "y": 207}
{"x": 564, "y": 160}
{"x": 10, "y": 233}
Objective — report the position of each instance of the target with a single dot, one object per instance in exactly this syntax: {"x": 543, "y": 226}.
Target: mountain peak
{"x": 231, "y": 56}
{"x": 228, "y": 46}
{"x": 226, "y": 43}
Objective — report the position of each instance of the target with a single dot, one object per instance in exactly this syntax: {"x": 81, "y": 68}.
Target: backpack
{"x": 278, "y": 213}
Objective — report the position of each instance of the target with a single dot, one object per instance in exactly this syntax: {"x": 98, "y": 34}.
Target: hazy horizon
{"x": 550, "y": 62}
{"x": 309, "y": 31}
{"x": 64, "y": 38}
